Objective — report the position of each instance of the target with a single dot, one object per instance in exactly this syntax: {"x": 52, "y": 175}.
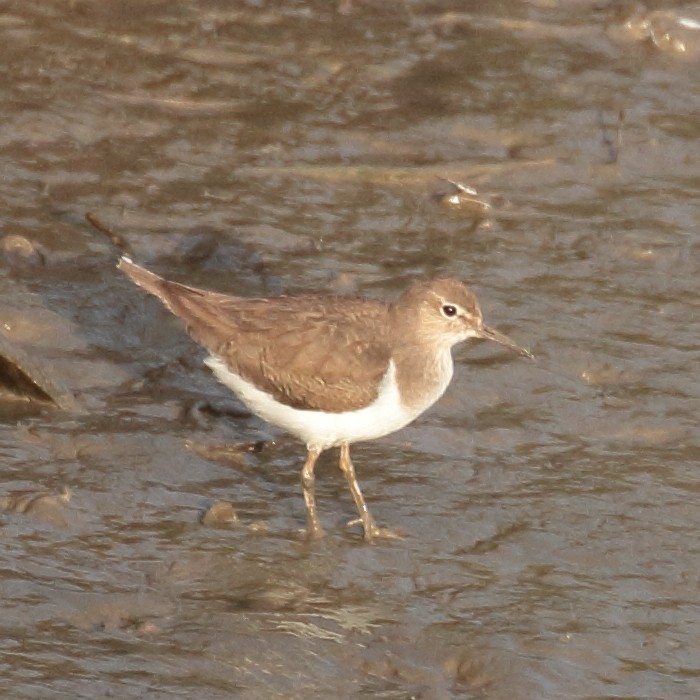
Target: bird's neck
{"x": 422, "y": 375}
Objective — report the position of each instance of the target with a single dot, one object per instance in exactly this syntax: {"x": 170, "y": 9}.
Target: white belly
{"x": 320, "y": 429}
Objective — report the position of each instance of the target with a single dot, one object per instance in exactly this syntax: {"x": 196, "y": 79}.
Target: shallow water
{"x": 550, "y": 508}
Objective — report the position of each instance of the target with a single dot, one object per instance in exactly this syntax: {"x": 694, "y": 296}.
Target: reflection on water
{"x": 551, "y": 509}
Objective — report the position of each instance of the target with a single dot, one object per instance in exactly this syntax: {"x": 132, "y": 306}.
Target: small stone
{"x": 19, "y": 250}
{"x": 218, "y": 514}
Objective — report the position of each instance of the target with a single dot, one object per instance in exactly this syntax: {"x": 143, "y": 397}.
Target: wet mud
{"x": 151, "y": 528}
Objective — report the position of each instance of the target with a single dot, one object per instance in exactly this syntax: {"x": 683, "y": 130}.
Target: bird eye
{"x": 449, "y": 310}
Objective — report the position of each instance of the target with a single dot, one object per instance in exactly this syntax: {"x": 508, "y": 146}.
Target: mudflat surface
{"x": 550, "y": 509}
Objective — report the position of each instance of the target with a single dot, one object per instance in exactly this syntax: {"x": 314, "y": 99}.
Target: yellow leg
{"x": 313, "y": 527}
{"x": 370, "y": 527}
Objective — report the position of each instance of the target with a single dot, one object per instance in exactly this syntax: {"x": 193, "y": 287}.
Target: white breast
{"x": 321, "y": 429}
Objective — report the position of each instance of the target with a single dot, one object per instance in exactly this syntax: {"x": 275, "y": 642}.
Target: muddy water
{"x": 551, "y": 509}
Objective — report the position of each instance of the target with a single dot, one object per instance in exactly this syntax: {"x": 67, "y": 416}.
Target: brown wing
{"x": 316, "y": 353}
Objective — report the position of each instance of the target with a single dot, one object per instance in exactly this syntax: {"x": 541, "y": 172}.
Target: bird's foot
{"x": 313, "y": 532}
{"x": 372, "y": 531}
{"x": 313, "y": 529}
